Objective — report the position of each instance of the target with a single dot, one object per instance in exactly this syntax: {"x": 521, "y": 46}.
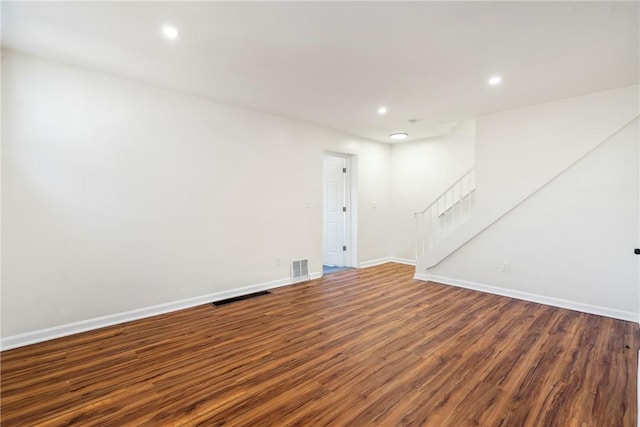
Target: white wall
{"x": 420, "y": 172}
{"x": 573, "y": 240}
{"x": 519, "y": 150}
{"x": 119, "y": 195}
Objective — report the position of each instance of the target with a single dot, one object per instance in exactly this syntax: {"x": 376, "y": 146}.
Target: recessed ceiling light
{"x": 495, "y": 80}
{"x": 170, "y": 32}
{"x": 399, "y": 135}
{"x": 382, "y": 110}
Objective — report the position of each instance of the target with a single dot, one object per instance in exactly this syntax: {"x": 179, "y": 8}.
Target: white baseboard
{"x": 34, "y": 337}
{"x": 379, "y": 261}
{"x": 374, "y": 262}
{"x": 541, "y": 299}
{"x": 403, "y": 261}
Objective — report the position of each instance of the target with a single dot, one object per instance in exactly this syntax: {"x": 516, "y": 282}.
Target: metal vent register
{"x": 300, "y": 270}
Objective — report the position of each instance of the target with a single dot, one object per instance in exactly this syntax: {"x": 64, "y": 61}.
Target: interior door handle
{"x": 636, "y": 251}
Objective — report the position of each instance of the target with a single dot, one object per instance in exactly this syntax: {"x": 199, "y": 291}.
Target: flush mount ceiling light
{"x": 382, "y": 110}
{"x": 398, "y": 135}
{"x": 495, "y": 80}
{"x": 170, "y": 32}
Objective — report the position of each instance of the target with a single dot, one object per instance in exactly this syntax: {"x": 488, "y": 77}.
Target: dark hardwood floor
{"x": 369, "y": 347}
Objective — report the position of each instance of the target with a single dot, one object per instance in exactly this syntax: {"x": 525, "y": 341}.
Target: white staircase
{"x": 446, "y": 213}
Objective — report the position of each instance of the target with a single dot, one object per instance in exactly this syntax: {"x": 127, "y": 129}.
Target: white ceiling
{"x": 335, "y": 63}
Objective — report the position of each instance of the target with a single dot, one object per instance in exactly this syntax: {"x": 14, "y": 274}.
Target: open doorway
{"x": 338, "y": 213}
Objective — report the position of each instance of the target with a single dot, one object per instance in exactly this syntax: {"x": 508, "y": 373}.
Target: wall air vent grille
{"x": 299, "y": 270}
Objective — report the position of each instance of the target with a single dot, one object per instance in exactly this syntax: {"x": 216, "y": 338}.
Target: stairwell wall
{"x": 573, "y": 239}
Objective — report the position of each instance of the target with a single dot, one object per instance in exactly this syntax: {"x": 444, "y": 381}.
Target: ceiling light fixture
{"x": 382, "y": 110}
{"x": 399, "y": 135}
{"x": 170, "y": 32}
{"x": 495, "y": 80}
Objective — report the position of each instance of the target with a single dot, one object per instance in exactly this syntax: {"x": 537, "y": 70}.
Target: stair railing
{"x": 446, "y": 213}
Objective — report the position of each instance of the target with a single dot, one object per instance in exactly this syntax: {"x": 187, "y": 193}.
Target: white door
{"x": 334, "y": 211}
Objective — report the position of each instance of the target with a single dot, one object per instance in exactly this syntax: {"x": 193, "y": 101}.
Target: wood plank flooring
{"x": 369, "y": 347}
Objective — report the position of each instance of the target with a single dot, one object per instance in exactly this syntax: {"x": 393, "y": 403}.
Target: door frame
{"x": 351, "y": 197}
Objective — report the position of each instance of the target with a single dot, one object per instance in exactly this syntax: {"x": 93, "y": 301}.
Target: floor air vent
{"x": 240, "y": 298}
{"x": 299, "y": 270}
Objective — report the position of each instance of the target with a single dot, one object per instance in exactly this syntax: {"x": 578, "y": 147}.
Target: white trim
{"x": 540, "y": 299}
{"x": 403, "y": 261}
{"x": 374, "y": 262}
{"x": 352, "y": 173}
{"x": 34, "y": 337}
{"x": 379, "y": 261}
